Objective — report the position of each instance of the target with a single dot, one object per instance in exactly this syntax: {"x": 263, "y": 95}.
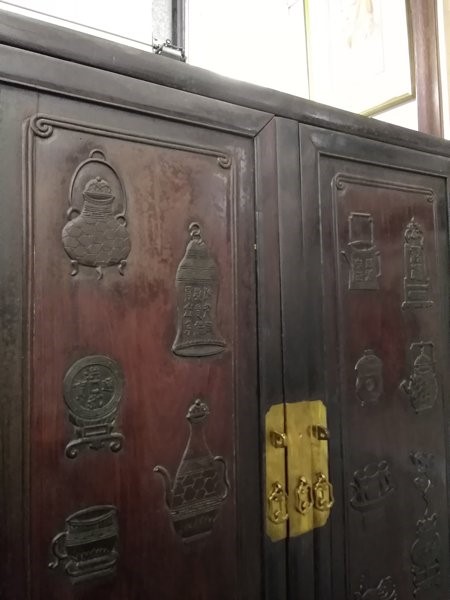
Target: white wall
{"x": 260, "y": 41}
{"x": 126, "y": 22}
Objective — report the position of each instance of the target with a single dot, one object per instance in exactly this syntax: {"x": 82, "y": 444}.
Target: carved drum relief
{"x": 362, "y": 255}
{"x": 421, "y": 387}
{"x": 96, "y": 234}
{"x": 197, "y": 285}
{"x": 371, "y": 486}
{"x": 416, "y": 280}
{"x": 385, "y": 590}
{"x": 200, "y": 485}
{"x": 369, "y": 378}
{"x": 87, "y": 548}
{"x": 93, "y": 389}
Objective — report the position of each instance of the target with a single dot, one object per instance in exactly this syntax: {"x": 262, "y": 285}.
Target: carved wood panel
{"x": 102, "y": 369}
{"x": 384, "y": 250}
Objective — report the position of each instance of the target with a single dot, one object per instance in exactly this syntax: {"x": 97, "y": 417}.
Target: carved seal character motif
{"x": 96, "y": 234}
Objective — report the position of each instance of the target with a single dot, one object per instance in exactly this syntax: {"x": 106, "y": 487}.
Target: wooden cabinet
{"x": 181, "y": 257}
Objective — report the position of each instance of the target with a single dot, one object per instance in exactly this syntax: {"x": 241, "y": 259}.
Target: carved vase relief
{"x": 93, "y": 389}
{"x": 87, "y": 549}
{"x": 416, "y": 281}
{"x": 362, "y": 255}
{"x": 197, "y": 286}
{"x": 200, "y": 485}
{"x": 385, "y": 590}
{"x": 421, "y": 387}
{"x": 371, "y": 486}
{"x": 369, "y": 378}
{"x": 426, "y": 550}
{"x": 96, "y": 234}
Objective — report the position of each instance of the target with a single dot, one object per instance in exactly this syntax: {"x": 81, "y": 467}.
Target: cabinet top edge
{"x": 25, "y": 33}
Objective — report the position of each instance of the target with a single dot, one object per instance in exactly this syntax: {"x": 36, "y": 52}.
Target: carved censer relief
{"x": 200, "y": 485}
{"x": 96, "y": 234}
{"x": 371, "y": 486}
{"x": 197, "y": 286}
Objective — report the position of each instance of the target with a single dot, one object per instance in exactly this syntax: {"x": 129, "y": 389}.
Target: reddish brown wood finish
{"x": 132, "y": 319}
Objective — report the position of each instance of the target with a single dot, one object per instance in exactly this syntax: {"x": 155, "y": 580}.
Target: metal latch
{"x": 169, "y": 50}
{"x": 298, "y": 491}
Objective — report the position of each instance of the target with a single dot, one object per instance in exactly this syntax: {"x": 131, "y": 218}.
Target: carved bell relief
{"x": 416, "y": 281}
{"x": 93, "y": 389}
{"x": 369, "y": 378}
{"x": 362, "y": 255}
{"x": 200, "y": 485}
{"x": 421, "y": 387}
{"x": 96, "y": 234}
{"x": 87, "y": 548}
{"x": 197, "y": 285}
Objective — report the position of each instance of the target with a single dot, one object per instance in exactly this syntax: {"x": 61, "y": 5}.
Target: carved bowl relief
{"x": 96, "y": 233}
{"x": 87, "y": 548}
{"x": 371, "y": 486}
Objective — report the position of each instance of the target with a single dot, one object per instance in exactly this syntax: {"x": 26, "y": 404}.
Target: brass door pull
{"x": 303, "y": 496}
{"x": 323, "y": 493}
{"x": 277, "y": 508}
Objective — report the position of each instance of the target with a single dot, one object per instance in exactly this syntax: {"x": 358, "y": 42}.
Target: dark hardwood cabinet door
{"x": 140, "y": 430}
{"x": 380, "y": 265}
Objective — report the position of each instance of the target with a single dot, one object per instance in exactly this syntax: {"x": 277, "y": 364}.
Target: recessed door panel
{"x": 142, "y": 288}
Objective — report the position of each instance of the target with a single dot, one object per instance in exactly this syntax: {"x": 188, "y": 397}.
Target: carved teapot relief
{"x": 200, "y": 486}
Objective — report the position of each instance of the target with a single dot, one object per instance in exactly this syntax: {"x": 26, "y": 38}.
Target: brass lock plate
{"x": 299, "y": 496}
{"x": 275, "y": 446}
{"x": 307, "y": 459}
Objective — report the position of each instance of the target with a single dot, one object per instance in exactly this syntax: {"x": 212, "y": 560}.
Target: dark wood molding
{"x": 426, "y": 58}
{"x": 75, "y": 47}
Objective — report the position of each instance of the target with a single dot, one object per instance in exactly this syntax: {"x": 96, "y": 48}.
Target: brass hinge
{"x": 299, "y": 495}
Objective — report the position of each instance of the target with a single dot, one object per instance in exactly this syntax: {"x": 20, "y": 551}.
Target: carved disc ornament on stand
{"x": 93, "y": 389}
